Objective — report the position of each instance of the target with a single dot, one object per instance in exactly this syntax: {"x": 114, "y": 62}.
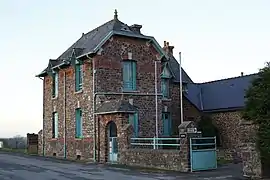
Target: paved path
{"x": 17, "y": 167}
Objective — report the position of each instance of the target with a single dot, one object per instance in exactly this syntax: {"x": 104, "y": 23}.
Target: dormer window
{"x": 165, "y": 82}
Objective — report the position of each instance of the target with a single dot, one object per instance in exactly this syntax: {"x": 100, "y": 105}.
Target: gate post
{"x": 186, "y": 131}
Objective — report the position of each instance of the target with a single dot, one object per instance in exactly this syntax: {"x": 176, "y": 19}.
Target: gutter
{"x": 43, "y": 123}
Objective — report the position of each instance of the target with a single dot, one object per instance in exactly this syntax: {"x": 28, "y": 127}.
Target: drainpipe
{"x": 64, "y": 108}
{"x": 181, "y": 93}
{"x": 65, "y": 130}
{"x": 43, "y": 123}
{"x": 156, "y": 99}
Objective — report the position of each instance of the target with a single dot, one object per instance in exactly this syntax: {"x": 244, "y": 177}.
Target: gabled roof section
{"x": 174, "y": 66}
{"x": 92, "y": 41}
{"x": 226, "y": 93}
{"x": 220, "y": 95}
{"x": 116, "y": 106}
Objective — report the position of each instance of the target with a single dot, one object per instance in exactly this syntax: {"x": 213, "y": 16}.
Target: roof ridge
{"x": 230, "y": 78}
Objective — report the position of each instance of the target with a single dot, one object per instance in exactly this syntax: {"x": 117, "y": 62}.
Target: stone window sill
{"x": 79, "y": 138}
{"x": 130, "y": 91}
{"x": 54, "y": 98}
{"x": 78, "y": 92}
{"x": 166, "y": 99}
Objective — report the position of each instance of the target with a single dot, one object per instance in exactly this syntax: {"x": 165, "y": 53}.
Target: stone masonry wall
{"x": 228, "y": 124}
{"x": 177, "y": 160}
{"x": 74, "y": 100}
{"x": 190, "y": 112}
{"x": 109, "y": 78}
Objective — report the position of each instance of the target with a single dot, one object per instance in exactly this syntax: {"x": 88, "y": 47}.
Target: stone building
{"x": 109, "y": 75}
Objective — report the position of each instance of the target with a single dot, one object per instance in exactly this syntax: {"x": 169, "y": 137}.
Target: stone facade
{"x": 228, "y": 124}
{"x": 177, "y": 160}
{"x": 65, "y": 104}
{"x": 190, "y": 112}
{"x": 108, "y": 64}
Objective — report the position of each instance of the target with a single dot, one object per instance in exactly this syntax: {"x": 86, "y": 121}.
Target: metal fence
{"x": 156, "y": 143}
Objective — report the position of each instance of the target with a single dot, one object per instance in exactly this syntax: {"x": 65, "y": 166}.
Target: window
{"x": 133, "y": 120}
{"x": 165, "y": 87}
{"x": 78, "y": 77}
{"x": 55, "y": 85}
{"x": 55, "y": 125}
{"x": 167, "y": 126}
{"x": 165, "y": 81}
{"x": 129, "y": 75}
{"x": 78, "y": 120}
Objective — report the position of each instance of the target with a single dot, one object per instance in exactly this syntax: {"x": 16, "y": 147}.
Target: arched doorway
{"x": 112, "y": 141}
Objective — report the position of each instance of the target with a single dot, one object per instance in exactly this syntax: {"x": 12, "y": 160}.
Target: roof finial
{"x": 115, "y": 14}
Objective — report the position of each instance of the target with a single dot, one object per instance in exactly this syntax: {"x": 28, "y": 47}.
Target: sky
{"x": 218, "y": 39}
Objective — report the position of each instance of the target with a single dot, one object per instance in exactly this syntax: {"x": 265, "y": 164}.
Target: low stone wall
{"x": 154, "y": 158}
{"x": 177, "y": 160}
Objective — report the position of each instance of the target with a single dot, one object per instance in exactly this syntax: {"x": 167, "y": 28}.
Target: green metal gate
{"x": 203, "y": 154}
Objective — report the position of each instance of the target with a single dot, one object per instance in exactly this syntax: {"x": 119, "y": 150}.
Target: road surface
{"x": 22, "y": 167}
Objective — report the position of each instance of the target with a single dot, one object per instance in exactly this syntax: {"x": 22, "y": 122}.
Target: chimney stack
{"x": 167, "y": 48}
{"x": 136, "y": 28}
{"x": 242, "y": 73}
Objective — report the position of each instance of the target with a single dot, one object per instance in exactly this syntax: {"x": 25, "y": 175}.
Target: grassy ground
{"x": 24, "y": 151}
{"x": 222, "y": 161}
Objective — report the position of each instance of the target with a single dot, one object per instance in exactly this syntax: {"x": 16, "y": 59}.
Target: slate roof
{"x": 91, "y": 41}
{"x": 210, "y": 96}
{"x": 220, "y": 95}
{"x": 115, "y": 106}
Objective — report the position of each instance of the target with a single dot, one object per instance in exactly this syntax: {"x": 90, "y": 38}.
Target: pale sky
{"x": 217, "y": 38}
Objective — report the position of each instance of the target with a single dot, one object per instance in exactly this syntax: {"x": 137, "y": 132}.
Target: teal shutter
{"x": 134, "y": 75}
{"x": 78, "y": 77}
{"x": 129, "y": 75}
{"x": 133, "y": 120}
{"x": 56, "y": 124}
{"x": 166, "y": 124}
{"x": 78, "y": 129}
{"x": 56, "y": 77}
{"x": 165, "y": 87}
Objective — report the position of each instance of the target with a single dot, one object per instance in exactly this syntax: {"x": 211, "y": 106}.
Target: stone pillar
{"x": 40, "y": 143}
{"x": 124, "y": 142}
{"x": 250, "y": 155}
{"x": 186, "y": 131}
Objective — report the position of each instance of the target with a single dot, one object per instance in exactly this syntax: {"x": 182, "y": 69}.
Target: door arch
{"x": 112, "y": 141}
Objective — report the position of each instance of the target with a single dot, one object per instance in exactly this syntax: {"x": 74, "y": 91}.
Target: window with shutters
{"x": 165, "y": 81}
{"x": 78, "y": 121}
{"x": 78, "y": 76}
{"x": 55, "y": 125}
{"x": 133, "y": 120}
{"x": 55, "y": 85}
{"x": 129, "y": 75}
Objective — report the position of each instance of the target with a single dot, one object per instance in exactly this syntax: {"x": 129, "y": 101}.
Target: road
{"x": 17, "y": 167}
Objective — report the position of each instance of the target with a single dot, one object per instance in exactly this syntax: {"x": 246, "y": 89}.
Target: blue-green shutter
{"x": 78, "y": 77}
{"x": 56, "y": 77}
{"x": 56, "y": 124}
{"x": 129, "y": 75}
{"x": 167, "y": 126}
{"x": 78, "y": 129}
{"x": 134, "y": 75}
{"x": 164, "y": 87}
{"x": 133, "y": 120}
